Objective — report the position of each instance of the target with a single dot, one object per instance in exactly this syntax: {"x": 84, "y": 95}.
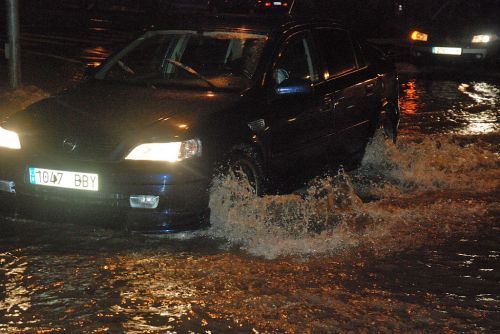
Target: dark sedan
{"x": 273, "y": 97}
{"x": 458, "y": 30}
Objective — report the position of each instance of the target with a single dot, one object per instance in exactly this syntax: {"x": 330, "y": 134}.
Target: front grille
{"x": 95, "y": 151}
{"x": 448, "y": 40}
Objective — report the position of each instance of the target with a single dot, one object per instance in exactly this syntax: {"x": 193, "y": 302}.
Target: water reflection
{"x": 160, "y": 291}
{"x": 481, "y": 92}
{"x": 16, "y": 297}
{"x": 409, "y": 104}
{"x": 151, "y": 294}
{"x": 94, "y": 56}
{"x": 467, "y": 108}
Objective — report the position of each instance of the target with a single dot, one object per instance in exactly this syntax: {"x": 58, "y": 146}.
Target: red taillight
{"x": 285, "y": 4}
{"x": 267, "y": 4}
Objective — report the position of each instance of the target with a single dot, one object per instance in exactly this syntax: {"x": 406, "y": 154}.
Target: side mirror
{"x": 294, "y": 87}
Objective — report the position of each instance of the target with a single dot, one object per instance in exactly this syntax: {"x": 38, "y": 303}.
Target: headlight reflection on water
{"x": 466, "y": 108}
{"x": 16, "y": 300}
{"x": 482, "y": 114}
{"x": 481, "y": 92}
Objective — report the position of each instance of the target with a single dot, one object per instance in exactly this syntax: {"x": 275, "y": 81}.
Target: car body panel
{"x": 102, "y": 121}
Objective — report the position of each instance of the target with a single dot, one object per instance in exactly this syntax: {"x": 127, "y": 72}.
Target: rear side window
{"x": 337, "y": 50}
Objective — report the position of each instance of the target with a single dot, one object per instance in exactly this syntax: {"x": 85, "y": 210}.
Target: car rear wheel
{"x": 388, "y": 122}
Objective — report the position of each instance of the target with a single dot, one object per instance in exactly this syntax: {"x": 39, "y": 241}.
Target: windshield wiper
{"x": 190, "y": 70}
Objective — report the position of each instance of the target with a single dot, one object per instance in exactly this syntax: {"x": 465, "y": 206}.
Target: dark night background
{"x": 375, "y": 17}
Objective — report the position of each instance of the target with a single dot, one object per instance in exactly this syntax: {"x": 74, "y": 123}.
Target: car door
{"x": 370, "y": 78}
{"x": 298, "y": 128}
{"x": 345, "y": 89}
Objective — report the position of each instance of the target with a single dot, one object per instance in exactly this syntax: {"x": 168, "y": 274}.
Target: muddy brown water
{"x": 408, "y": 242}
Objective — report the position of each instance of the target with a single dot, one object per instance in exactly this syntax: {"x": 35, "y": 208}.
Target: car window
{"x": 297, "y": 60}
{"x": 143, "y": 61}
{"x": 220, "y": 58}
{"x": 337, "y": 50}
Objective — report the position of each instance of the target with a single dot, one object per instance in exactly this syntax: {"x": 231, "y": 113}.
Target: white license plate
{"x": 64, "y": 179}
{"x": 439, "y": 50}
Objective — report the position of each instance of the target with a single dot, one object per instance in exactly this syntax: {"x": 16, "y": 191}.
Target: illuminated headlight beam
{"x": 482, "y": 38}
{"x": 9, "y": 139}
{"x": 170, "y": 152}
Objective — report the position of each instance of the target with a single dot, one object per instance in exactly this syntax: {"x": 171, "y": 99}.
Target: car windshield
{"x": 466, "y": 10}
{"x": 213, "y": 59}
{"x": 463, "y": 10}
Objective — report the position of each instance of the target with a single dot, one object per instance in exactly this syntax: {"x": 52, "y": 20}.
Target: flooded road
{"x": 408, "y": 242}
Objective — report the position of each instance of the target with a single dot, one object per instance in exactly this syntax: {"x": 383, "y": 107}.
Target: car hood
{"x": 117, "y": 110}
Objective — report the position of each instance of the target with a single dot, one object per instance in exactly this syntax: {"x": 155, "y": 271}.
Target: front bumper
{"x": 182, "y": 189}
{"x": 468, "y": 53}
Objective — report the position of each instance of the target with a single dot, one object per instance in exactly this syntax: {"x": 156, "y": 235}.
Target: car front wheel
{"x": 245, "y": 165}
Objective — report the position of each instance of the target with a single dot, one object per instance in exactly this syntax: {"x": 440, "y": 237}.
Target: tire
{"x": 245, "y": 164}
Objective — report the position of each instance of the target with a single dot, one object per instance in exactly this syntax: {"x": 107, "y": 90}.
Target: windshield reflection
{"x": 223, "y": 59}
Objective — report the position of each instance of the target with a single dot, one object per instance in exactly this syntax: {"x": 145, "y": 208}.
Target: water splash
{"x": 282, "y": 224}
{"x": 434, "y": 162}
{"x": 401, "y": 195}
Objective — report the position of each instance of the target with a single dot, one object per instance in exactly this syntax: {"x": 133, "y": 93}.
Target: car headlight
{"x": 9, "y": 139}
{"x": 484, "y": 38}
{"x": 171, "y": 152}
{"x": 419, "y": 36}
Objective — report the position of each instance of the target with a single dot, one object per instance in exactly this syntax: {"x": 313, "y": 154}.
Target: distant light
{"x": 481, "y": 39}
{"x": 267, "y": 4}
{"x": 419, "y": 36}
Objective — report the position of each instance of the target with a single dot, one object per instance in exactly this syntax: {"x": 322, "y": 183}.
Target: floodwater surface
{"x": 407, "y": 242}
